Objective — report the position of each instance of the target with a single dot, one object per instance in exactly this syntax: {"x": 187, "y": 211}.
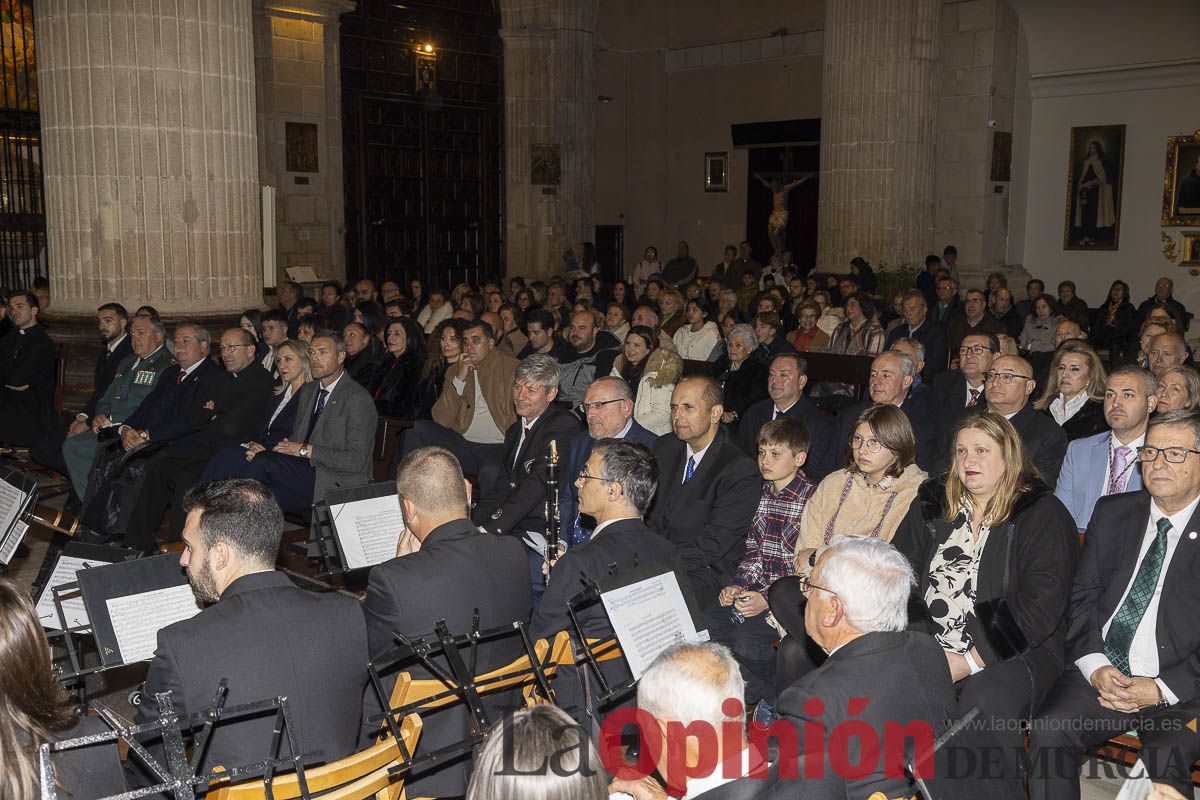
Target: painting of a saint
{"x": 1094, "y": 188}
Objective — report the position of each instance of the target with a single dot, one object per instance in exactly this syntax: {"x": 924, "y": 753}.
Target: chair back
{"x": 367, "y": 774}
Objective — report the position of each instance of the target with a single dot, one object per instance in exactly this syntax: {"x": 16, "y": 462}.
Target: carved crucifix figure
{"x": 778, "y": 220}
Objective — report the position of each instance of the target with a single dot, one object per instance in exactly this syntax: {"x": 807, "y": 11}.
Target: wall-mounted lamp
{"x": 428, "y": 48}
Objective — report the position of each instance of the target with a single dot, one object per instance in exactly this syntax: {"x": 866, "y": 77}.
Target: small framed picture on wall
{"x": 1181, "y": 182}
{"x": 716, "y": 172}
{"x": 1095, "y": 162}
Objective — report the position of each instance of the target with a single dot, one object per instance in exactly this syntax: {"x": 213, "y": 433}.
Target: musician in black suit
{"x": 958, "y": 391}
{"x": 1009, "y": 385}
{"x": 264, "y": 635}
{"x": 456, "y": 572}
{"x": 615, "y": 488}
{"x": 708, "y": 489}
{"x": 112, "y": 321}
{"x": 27, "y": 374}
{"x": 608, "y": 411}
{"x": 232, "y": 405}
{"x": 1134, "y": 633}
{"x": 857, "y": 612}
{"x": 517, "y": 501}
{"x": 786, "y": 378}
{"x": 891, "y": 383}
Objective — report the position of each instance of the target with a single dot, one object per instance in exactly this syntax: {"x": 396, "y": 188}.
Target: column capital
{"x": 323, "y": 11}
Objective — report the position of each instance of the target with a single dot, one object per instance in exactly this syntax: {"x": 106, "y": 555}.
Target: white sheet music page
{"x": 12, "y": 500}
{"x": 368, "y": 530}
{"x": 64, "y": 572}
{"x": 137, "y": 619}
{"x": 648, "y": 617}
{"x": 10, "y": 544}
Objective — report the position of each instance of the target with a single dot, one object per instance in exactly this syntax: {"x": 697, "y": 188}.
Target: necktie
{"x": 312, "y": 423}
{"x": 974, "y": 397}
{"x": 1129, "y": 615}
{"x": 180, "y": 377}
{"x": 579, "y": 534}
{"x": 691, "y": 467}
{"x": 1116, "y": 478}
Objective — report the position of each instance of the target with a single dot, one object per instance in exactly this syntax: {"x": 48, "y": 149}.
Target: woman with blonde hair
{"x": 1074, "y": 395}
{"x": 994, "y": 553}
{"x": 670, "y": 303}
{"x": 1178, "y": 390}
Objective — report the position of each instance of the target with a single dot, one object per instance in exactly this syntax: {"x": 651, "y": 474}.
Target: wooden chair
{"x": 387, "y": 431}
{"x": 370, "y": 773}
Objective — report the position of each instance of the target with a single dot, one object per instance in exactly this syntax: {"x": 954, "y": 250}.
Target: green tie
{"x": 1129, "y": 615}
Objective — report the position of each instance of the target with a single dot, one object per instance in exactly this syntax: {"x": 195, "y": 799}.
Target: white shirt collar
{"x": 193, "y": 368}
{"x": 1113, "y": 442}
{"x": 698, "y": 455}
{"x": 333, "y": 385}
{"x": 606, "y": 523}
{"x": 698, "y": 786}
{"x": 529, "y": 423}
{"x": 115, "y": 343}
{"x": 625, "y": 431}
{"x": 1179, "y": 519}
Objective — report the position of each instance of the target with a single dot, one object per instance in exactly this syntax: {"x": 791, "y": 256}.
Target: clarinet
{"x": 552, "y": 504}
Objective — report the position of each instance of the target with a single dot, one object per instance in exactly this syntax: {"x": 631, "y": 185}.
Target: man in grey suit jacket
{"x": 330, "y": 446}
{"x": 1107, "y": 463}
{"x": 264, "y": 635}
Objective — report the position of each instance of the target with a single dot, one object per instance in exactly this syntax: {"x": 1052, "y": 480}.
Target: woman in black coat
{"x": 994, "y": 553}
{"x": 742, "y": 372}
{"x": 1074, "y": 393}
{"x": 1115, "y": 327}
{"x": 399, "y": 392}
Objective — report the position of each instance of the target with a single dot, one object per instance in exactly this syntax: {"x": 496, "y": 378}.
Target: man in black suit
{"x": 786, "y": 379}
{"x": 861, "y": 623}
{"x": 112, "y": 320}
{"x": 957, "y": 392}
{"x": 974, "y": 318}
{"x": 1009, "y": 384}
{"x": 262, "y": 633}
{"x": 27, "y": 374}
{"x": 891, "y": 383}
{"x": 608, "y": 409}
{"x": 233, "y": 404}
{"x": 456, "y": 572}
{"x": 615, "y": 488}
{"x": 707, "y": 489}
{"x": 918, "y": 325}
{"x": 1134, "y": 632}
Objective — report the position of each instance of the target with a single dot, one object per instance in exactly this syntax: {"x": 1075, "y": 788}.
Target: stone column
{"x": 150, "y": 150}
{"x": 299, "y": 81}
{"x": 549, "y": 99}
{"x": 878, "y": 115}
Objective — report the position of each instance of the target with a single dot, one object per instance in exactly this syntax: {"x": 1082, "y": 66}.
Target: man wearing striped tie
{"x": 1106, "y": 463}
{"x": 1132, "y": 647}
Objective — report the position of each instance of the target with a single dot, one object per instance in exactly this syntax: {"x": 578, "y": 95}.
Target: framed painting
{"x": 301, "y": 146}
{"x": 1095, "y": 162}
{"x": 716, "y": 172}
{"x": 1181, "y": 182}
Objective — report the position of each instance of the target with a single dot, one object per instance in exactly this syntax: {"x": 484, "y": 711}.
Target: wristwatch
{"x": 303, "y": 451}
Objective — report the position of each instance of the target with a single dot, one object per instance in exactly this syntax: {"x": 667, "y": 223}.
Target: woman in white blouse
{"x": 696, "y": 340}
{"x": 1074, "y": 394}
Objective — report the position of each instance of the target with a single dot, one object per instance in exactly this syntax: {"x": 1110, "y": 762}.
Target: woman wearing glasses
{"x": 994, "y": 553}
{"x": 1074, "y": 395}
{"x": 868, "y": 498}
{"x": 1178, "y": 390}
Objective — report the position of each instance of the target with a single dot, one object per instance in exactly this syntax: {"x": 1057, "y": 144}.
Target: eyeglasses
{"x": 974, "y": 349}
{"x": 583, "y": 476}
{"x": 586, "y": 407}
{"x": 871, "y": 445}
{"x": 806, "y": 586}
{"x": 1173, "y": 455}
{"x": 229, "y": 348}
{"x": 1005, "y": 378}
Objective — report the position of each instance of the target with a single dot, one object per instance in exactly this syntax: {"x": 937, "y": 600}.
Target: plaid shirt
{"x": 771, "y": 545}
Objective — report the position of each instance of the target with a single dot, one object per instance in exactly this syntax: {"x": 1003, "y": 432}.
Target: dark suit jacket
{"x": 271, "y": 433}
{"x": 235, "y": 414}
{"x": 932, "y": 337}
{"x": 618, "y": 548}
{"x": 958, "y": 329}
{"x": 918, "y": 407}
{"x": 580, "y": 451}
{"x": 708, "y": 517}
{"x": 1110, "y": 555}
{"x": 105, "y": 371}
{"x": 174, "y": 410}
{"x": 366, "y": 367}
{"x": 1045, "y": 442}
{"x": 949, "y": 407}
{"x": 456, "y": 572}
{"x": 268, "y": 638}
{"x": 917, "y": 690}
{"x": 517, "y": 501}
{"x": 822, "y": 448}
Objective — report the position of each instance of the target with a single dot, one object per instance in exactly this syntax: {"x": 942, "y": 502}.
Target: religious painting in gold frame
{"x": 1181, "y": 181}
{"x": 1190, "y": 249}
{"x": 1095, "y": 163}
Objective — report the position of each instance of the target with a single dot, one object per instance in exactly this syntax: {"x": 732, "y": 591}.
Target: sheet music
{"x": 137, "y": 619}
{"x": 12, "y": 503}
{"x": 536, "y": 542}
{"x": 648, "y": 617}
{"x": 368, "y": 530}
{"x": 9, "y": 546}
{"x": 64, "y": 572}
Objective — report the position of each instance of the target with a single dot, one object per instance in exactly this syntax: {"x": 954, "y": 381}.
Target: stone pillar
{"x": 298, "y": 80}
{"x": 878, "y": 115}
{"x": 150, "y": 150}
{"x": 549, "y": 99}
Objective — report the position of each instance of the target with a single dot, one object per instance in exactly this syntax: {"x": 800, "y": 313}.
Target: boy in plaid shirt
{"x": 739, "y": 621}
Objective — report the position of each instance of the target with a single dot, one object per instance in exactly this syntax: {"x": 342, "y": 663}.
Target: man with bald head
{"x": 1166, "y": 350}
{"x": 1008, "y": 386}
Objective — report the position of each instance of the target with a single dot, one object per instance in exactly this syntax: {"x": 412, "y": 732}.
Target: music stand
{"x": 346, "y": 550}
{"x": 18, "y": 494}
